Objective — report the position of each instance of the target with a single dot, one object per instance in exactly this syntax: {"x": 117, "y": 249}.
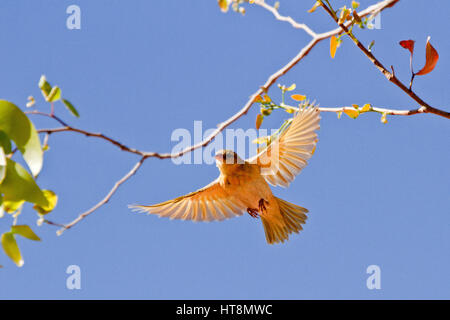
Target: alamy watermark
{"x": 74, "y": 19}
{"x": 374, "y": 22}
{"x": 374, "y": 280}
{"x": 238, "y": 140}
{"x": 73, "y": 281}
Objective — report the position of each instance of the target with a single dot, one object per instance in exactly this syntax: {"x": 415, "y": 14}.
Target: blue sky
{"x": 377, "y": 193}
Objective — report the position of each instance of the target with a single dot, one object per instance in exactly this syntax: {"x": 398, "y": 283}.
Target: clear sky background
{"x": 137, "y": 70}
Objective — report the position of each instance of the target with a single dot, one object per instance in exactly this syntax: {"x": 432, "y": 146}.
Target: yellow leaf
{"x": 12, "y": 206}
{"x": 223, "y": 4}
{"x": 291, "y": 87}
{"x": 344, "y": 14}
{"x": 355, "y": 4}
{"x": 258, "y": 99}
{"x": 355, "y": 106}
{"x": 366, "y": 107}
{"x": 339, "y": 114}
{"x": 289, "y": 110}
{"x": 315, "y": 6}
{"x": 298, "y": 97}
{"x": 267, "y": 98}
{"x": 52, "y": 200}
{"x": 261, "y": 140}
{"x": 333, "y": 46}
{"x": 383, "y": 118}
{"x": 352, "y": 113}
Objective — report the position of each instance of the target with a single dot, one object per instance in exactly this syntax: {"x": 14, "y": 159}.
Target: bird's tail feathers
{"x": 293, "y": 218}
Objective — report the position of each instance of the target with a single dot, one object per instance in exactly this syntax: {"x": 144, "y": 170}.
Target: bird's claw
{"x": 262, "y": 205}
{"x": 252, "y": 212}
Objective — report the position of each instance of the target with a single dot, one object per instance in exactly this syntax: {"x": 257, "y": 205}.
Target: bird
{"x": 243, "y": 185}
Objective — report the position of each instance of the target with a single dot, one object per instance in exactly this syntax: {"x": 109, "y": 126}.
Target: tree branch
{"x": 379, "y": 110}
{"x": 105, "y": 199}
{"x": 389, "y": 75}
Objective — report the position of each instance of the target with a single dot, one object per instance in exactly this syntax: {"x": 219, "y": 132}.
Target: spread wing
{"x": 212, "y": 202}
{"x": 285, "y": 157}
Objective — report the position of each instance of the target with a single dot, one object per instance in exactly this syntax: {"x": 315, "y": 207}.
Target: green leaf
{"x": 5, "y": 142}
{"x": 52, "y": 200}
{"x": 54, "y": 95}
{"x": 16, "y": 125}
{"x": 71, "y": 108}
{"x": 11, "y": 248}
{"x": 44, "y": 86}
{"x": 25, "y": 231}
{"x": 2, "y": 164}
{"x": 20, "y": 185}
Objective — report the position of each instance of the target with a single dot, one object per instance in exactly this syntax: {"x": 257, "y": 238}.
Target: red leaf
{"x": 431, "y": 57}
{"x": 408, "y": 44}
{"x": 259, "y": 120}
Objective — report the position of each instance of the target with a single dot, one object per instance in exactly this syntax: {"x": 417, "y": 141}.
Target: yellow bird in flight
{"x": 243, "y": 185}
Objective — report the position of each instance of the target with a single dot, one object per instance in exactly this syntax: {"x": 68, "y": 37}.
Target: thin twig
{"x": 53, "y": 223}
{"x": 93, "y": 134}
{"x": 68, "y": 128}
{"x": 105, "y": 199}
{"x": 49, "y": 115}
{"x": 278, "y": 16}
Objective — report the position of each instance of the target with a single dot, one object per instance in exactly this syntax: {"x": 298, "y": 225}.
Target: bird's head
{"x": 227, "y": 159}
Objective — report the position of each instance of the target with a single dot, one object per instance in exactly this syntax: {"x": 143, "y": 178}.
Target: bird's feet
{"x": 262, "y": 205}
{"x": 252, "y": 212}
{"x": 261, "y": 208}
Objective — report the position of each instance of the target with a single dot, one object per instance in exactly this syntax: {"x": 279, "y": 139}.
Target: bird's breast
{"x": 248, "y": 188}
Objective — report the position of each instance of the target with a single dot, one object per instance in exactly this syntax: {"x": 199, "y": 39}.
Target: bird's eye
{"x": 224, "y": 156}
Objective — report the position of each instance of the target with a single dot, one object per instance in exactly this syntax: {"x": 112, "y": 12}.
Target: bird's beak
{"x": 218, "y": 157}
